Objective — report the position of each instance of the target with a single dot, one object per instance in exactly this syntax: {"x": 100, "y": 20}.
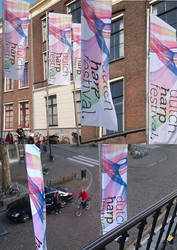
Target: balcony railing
{"x": 146, "y": 222}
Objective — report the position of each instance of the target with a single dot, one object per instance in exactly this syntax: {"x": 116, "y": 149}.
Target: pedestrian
{"x": 31, "y": 137}
{"x": 57, "y": 203}
{"x": 20, "y": 134}
{"x": 9, "y": 138}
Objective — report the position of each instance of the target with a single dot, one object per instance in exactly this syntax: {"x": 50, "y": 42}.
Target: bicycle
{"x": 81, "y": 207}
{"x": 12, "y": 190}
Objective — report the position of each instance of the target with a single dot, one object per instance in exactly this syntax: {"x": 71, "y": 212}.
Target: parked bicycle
{"x": 12, "y": 190}
{"x": 81, "y": 206}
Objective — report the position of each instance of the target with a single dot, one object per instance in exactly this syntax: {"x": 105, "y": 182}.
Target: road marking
{"x": 81, "y": 162}
{"x": 87, "y": 158}
{"x": 84, "y": 160}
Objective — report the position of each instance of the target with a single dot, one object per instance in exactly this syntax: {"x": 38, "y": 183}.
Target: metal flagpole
{"x": 147, "y": 79}
{"x": 2, "y": 86}
{"x": 75, "y": 106}
{"x": 100, "y": 176}
{"x": 32, "y": 70}
{"x": 47, "y": 74}
{"x": 47, "y": 86}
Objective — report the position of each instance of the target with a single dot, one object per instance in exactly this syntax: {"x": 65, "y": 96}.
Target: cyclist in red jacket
{"x": 84, "y": 195}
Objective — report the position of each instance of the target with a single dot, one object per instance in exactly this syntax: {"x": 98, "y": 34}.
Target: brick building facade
{"x": 17, "y": 98}
{"x": 127, "y": 74}
{"x": 129, "y": 71}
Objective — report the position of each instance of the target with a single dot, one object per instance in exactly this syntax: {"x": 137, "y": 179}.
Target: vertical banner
{"x": 114, "y": 186}
{"x": 16, "y": 20}
{"x": 97, "y": 105}
{"x": 59, "y": 49}
{"x": 162, "y": 83}
{"x": 76, "y": 36}
{"x": 37, "y": 195}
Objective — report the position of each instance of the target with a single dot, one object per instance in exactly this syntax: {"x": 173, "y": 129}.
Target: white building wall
{"x": 65, "y": 106}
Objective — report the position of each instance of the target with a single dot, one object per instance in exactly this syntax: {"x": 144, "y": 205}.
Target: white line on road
{"x": 81, "y": 162}
{"x": 87, "y": 158}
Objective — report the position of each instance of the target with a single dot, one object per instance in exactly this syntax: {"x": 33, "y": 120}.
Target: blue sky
{"x": 30, "y": 1}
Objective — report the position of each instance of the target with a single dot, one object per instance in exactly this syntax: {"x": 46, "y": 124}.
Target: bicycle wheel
{"x": 87, "y": 206}
{"x": 78, "y": 212}
{"x": 13, "y": 191}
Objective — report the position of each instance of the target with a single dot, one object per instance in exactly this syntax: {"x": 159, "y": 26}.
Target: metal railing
{"x": 164, "y": 212}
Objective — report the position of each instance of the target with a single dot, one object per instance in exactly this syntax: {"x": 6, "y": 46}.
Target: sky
{"x": 30, "y": 1}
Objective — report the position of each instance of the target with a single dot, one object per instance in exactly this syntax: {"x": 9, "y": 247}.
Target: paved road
{"x": 147, "y": 183}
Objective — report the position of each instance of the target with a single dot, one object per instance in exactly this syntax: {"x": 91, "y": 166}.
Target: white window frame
{"x": 115, "y": 19}
{"x": 44, "y": 31}
{"x": 121, "y": 78}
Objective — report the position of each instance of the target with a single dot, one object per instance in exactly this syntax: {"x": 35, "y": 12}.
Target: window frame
{"x": 52, "y": 125}
{"x": 44, "y": 31}
{"x": 68, "y": 12}
{"x": 21, "y": 81}
{"x": 5, "y": 123}
{"x": 155, "y": 2}
{"x": 104, "y": 131}
{"x": 116, "y": 19}
{"x": 12, "y": 83}
{"x": 75, "y": 106}
{"x": 20, "y": 120}
{"x": 44, "y": 65}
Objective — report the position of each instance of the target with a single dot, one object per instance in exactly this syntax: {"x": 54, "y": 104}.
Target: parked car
{"x": 20, "y": 210}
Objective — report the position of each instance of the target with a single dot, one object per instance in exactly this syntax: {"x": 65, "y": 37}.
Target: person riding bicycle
{"x": 84, "y": 196}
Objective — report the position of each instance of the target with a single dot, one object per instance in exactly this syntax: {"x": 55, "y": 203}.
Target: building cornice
{"x": 41, "y": 6}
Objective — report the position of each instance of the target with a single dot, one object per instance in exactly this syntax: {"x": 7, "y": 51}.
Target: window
{"x": 8, "y": 116}
{"x": 117, "y": 39}
{"x": 53, "y": 114}
{"x": 44, "y": 29}
{"x": 75, "y": 10}
{"x": 167, "y": 11}
{"x": 78, "y": 106}
{"x": 117, "y": 96}
{"x": 25, "y": 83}
{"x": 45, "y": 65}
{"x": 9, "y": 84}
{"x": 24, "y": 114}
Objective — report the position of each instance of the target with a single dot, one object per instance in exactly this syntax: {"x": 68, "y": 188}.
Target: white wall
{"x": 65, "y": 106}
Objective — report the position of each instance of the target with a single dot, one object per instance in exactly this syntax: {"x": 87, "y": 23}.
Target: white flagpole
{"x": 2, "y": 86}
{"x": 147, "y": 77}
{"x": 47, "y": 74}
{"x": 74, "y": 96}
{"x": 32, "y": 70}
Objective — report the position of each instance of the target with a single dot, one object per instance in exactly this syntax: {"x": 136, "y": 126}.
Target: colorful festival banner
{"x": 97, "y": 105}
{"x": 37, "y": 195}
{"x": 162, "y": 83}
{"x": 114, "y": 186}
{"x": 59, "y": 49}
{"x": 16, "y": 20}
{"x": 76, "y": 36}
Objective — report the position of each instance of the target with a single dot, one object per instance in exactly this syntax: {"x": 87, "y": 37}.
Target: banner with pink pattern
{"x": 114, "y": 186}
{"x": 162, "y": 83}
{"x": 59, "y": 49}
{"x": 96, "y": 99}
{"x": 16, "y": 20}
{"x": 37, "y": 194}
{"x": 76, "y": 36}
